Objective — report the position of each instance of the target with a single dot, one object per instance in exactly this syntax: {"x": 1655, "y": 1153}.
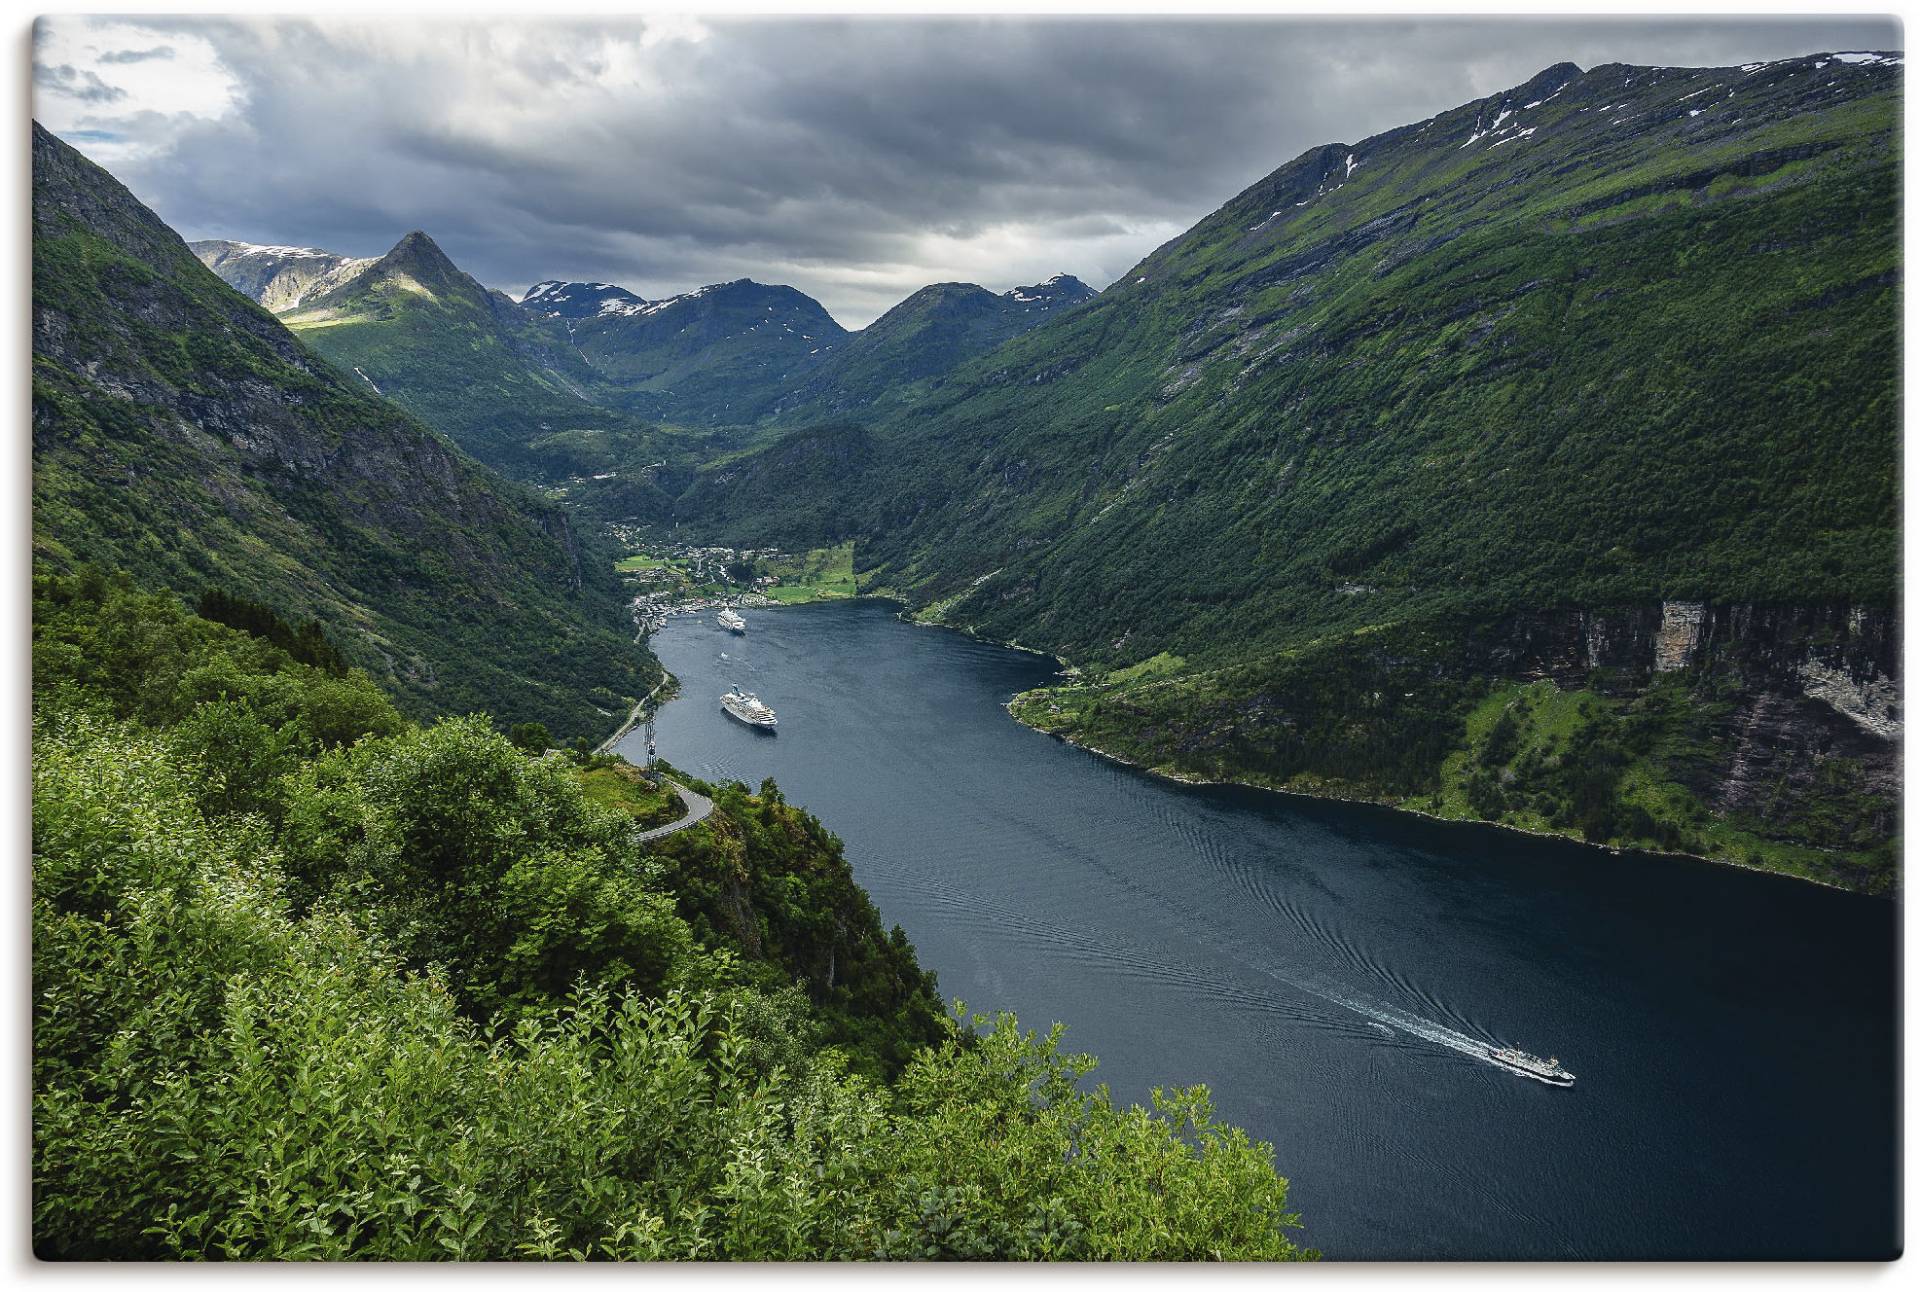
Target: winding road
{"x": 699, "y": 808}
{"x": 634, "y": 716}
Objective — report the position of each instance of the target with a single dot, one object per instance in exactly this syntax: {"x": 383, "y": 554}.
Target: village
{"x": 669, "y": 580}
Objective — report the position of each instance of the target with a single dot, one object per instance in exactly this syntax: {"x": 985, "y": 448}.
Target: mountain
{"x": 278, "y": 277}
{"x": 742, "y": 352}
{"x": 504, "y": 383}
{"x": 717, "y": 356}
{"x": 563, "y": 386}
{"x": 554, "y": 299}
{"x": 183, "y": 434}
{"x": 925, "y": 336}
{"x": 1593, "y": 381}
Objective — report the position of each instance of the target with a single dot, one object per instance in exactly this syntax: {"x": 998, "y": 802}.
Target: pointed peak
{"x": 417, "y": 247}
{"x": 418, "y": 264}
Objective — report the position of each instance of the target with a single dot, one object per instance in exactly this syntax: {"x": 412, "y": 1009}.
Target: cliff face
{"x": 280, "y": 278}
{"x": 1847, "y": 657}
{"x": 1806, "y": 696}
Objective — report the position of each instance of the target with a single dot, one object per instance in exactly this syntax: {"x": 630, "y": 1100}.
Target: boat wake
{"x": 1394, "y": 1018}
{"x": 1090, "y": 945}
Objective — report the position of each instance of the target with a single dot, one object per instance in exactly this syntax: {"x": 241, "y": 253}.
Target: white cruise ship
{"x": 1527, "y": 1065}
{"x": 749, "y": 708}
{"x": 732, "y": 622}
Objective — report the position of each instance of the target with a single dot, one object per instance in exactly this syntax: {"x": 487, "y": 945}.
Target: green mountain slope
{"x": 1613, "y": 338}
{"x": 924, "y": 337}
{"x": 180, "y": 432}
{"x": 1635, "y": 342}
{"x": 506, "y": 386}
{"x": 718, "y": 356}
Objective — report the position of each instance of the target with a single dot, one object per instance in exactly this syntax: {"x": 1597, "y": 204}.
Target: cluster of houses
{"x": 668, "y": 590}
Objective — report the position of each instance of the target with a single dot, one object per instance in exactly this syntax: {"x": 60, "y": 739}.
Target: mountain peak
{"x": 1057, "y": 292}
{"x": 555, "y": 298}
{"x": 417, "y": 264}
{"x": 417, "y": 249}
{"x": 1549, "y": 81}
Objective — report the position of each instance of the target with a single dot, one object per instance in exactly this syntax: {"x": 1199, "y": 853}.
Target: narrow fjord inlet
{"x": 984, "y": 639}
{"x": 1337, "y": 973}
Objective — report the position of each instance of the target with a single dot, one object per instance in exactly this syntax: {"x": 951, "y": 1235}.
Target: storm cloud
{"x": 857, "y": 159}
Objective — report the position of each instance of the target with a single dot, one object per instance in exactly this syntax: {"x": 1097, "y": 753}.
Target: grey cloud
{"x": 137, "y": 55}
{"x": 65, "y": 79}
{"x": 855, "y": 159}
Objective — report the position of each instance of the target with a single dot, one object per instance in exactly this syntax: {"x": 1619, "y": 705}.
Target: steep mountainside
{"x": 183, "y": 434}
{"x": 278, "y": 277}
{"x": 925, "y": 336}
{"x": 1611, "y": 339}
{"x": 788, "y": 494}
{"x": 505, "y": 385}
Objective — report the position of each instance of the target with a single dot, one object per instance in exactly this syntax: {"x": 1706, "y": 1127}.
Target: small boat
{"x": 732, "y": 622}
{"x": 745, "y": 706}
{"x": 1527, "y": 1065}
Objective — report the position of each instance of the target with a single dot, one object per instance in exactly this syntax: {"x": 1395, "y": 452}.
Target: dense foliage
{"x": 313, "y": 982}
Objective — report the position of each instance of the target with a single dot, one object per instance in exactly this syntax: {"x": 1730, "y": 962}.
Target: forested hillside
{"x": 313, "y": 982}
{"x": 182, "y": 434}
{"x": 1610, "y": 340}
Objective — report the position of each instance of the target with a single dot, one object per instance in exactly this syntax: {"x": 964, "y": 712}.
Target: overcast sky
{"x": 856, "y": 159}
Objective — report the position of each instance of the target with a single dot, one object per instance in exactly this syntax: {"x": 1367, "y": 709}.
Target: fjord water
{"x": 1328, "y": 969}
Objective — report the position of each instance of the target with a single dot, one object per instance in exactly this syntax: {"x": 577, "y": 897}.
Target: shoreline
{"x": 632, "y": 720}
{"x": 1179, "y": 778}
{"x": 905, "y": 615}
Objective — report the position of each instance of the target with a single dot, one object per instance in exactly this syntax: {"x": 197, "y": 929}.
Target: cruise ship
{"x": 748, "y": 708}
{"x": 1527, "y": 1065}
{"x": 732, "y": 622}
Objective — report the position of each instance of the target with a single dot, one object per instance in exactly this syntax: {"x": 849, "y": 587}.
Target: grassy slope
{"x": 823, "y": 574}
{"x": 507, "y": 387}
{"x": 1463, "y": 379}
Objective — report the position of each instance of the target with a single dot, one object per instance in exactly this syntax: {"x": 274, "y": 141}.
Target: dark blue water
{"x": 1326, "y": 969}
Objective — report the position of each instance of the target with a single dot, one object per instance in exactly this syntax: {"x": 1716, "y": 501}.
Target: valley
{"x": 1445, "y": 549}
{"x": 1354, "y": 451}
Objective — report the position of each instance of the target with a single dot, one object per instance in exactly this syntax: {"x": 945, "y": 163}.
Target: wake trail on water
{"x": 1089, "y": 945}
